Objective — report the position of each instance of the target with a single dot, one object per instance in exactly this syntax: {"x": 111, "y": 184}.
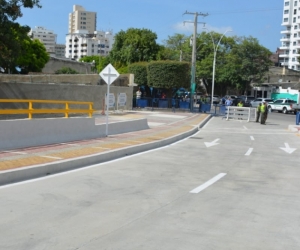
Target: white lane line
{"x": 245, "y": 127}
{"x": 252, "y": 138}
{"x": 51, "y": 157}
{"x": 249, "y": 151}
{"x": 207, "y": 184}
{"x": 14, "y": 152}
{"x": 125, "y": 143}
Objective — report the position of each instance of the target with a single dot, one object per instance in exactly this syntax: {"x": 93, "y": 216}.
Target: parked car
{"x": 236, "y": 101}
{"x": 216, "y": 99}
{"x": 257, "y": 101}
{"x": 246, "y": 100}
{"x": 282, "y": 105}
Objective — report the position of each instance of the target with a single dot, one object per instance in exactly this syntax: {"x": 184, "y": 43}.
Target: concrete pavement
{"x": 165, "y": 128}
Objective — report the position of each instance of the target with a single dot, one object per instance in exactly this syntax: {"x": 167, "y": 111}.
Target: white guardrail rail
{"x": 240, "y": 113}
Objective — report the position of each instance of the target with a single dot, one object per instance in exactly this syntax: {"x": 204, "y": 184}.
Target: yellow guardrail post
{"x": 67, "y": 110}
{"x": 30, "y": 110}
{"x": 91, "y": 110}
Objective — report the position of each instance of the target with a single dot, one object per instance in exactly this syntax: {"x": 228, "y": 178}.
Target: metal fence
{"x": 178, "y": 104}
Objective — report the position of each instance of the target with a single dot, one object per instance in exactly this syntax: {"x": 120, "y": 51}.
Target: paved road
{"x": 230, "y": 186}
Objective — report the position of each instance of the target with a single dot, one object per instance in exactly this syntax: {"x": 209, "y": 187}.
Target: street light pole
{"x": 214, "y": 63}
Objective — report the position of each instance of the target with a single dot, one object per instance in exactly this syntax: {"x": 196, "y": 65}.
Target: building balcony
{"x": 284, "y": 56}
{"x": 284, "y": 47}
{"x": 285, "y": 39}
{"x": 287, "y": 24}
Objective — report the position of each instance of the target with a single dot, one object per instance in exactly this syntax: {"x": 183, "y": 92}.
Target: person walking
{"x": 258, "y": 112}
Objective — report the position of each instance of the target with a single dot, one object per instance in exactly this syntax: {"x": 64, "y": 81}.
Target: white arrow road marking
{"x": 252, "y": 138}
{"x": 287, "y": 149}
{"x": 210, "y": 144}
{"x": 207, "y": 184}
{"x": 249, "y": 151}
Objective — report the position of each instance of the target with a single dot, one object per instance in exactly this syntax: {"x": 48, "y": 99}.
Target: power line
{"x": 241, "y": 11}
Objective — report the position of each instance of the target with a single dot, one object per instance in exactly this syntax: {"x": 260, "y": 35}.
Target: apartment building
{"x": 46, "y": 37}
{"x": 60, "y": 50}
{"x": 82, "y": 43}
{"x": 290, "y": 40}
{"x": 80, "y": 19}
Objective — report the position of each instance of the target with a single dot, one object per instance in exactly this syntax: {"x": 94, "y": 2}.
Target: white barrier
{"x": 240, "y": 113}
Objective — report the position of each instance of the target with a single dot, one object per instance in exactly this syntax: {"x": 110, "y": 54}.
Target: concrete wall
{"x": 57, "y": 63}
{"x": 86, "y": 79}
{"x": 36, "y": 132}
{"x": 71, "y": 92}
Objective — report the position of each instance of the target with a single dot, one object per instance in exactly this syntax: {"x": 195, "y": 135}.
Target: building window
{"x": 286, "y": 11}
{"x": 295, "y": 35}
{"x": 295, "y": 11}
{"x": 295, "y": 27}
{"x": 295, "y": 3}
{"x": 294, "y": 51}
{"x": 285, "y": 20}
{"x": 287, "y": 3}
{"x": 294, "y": 19}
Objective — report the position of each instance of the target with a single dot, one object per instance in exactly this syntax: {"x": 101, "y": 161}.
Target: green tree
{"x": 100, "y": 62}
{"x": 134, "y": 45}
{"x": 34, "y": 56}
{"x": 11, "y": 33}
{"x": 177, "y": 47}
{"x": 251, "y": 60}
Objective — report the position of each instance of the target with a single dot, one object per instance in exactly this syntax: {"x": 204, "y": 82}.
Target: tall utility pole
{"x": 193, "y": 71}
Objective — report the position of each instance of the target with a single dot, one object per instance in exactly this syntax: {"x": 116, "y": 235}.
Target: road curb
{"x": 42, "y": 170}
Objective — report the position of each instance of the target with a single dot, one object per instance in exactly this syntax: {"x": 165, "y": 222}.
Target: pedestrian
{"x": 240, "y": 104}
{"x": 266, "y": 112}
{"x": 228, "y": 102}
{"x": 263, "y": 114}
{"x": 258, "y": 112}
{"x": 138, "y": 97}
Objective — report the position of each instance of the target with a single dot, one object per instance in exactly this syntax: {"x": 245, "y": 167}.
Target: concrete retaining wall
{"x": 70, "y": 92}
{"x": 36, "y": 132}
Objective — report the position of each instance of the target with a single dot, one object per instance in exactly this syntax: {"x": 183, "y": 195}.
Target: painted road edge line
{"x": 208, "y": 183}
{"x": 249, "y": 151}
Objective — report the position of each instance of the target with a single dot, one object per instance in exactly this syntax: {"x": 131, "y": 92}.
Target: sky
{"x": 260, "y": 19}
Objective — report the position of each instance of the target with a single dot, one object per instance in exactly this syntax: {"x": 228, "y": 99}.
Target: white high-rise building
{"x": 80, "y": 19}
{"x": 82, "y": 43}
{"x": 46, "y": 37}
{"x": 290, "y": 40}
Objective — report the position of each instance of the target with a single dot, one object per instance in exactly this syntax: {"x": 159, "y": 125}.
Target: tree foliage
{"x": 168, "y": 74}
{"x": 11, "y": 33}
{"x": 66, "y": 70}
{"x": 140, "y": 72}
{"x": 134, "y": 45}
{"x": 34, "y": 56}
{"x": 239, "y": 60}
{"x": 99, "y": 62}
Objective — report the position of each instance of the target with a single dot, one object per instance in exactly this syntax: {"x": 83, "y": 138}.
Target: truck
{"x": 282, "y": 105}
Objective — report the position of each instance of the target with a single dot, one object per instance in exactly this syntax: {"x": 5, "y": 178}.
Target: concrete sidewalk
{"x": 165, "y": 128}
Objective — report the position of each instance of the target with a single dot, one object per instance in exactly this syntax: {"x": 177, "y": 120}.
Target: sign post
{"x": 108, "y": 74}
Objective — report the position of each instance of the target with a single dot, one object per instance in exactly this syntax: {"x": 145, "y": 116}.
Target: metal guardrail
{"x": 31, "y": 110}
